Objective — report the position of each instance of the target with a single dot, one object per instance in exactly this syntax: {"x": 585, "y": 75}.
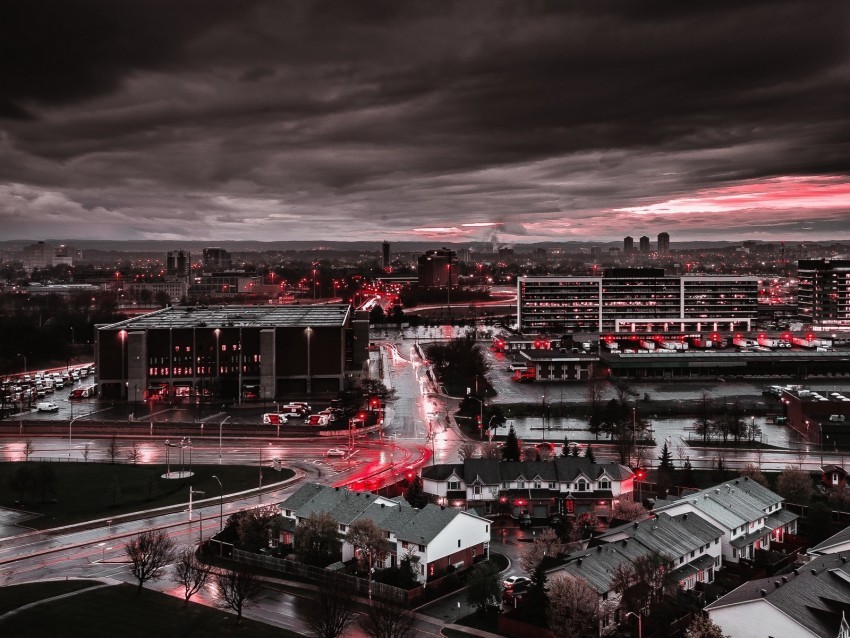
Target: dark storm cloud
{"x": 347, "y": 118}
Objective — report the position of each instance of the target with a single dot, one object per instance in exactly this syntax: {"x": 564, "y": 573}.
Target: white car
{"x": 336, "y": 451}
{"x": 47, "y": 406}
{"x": 516, "y": 581}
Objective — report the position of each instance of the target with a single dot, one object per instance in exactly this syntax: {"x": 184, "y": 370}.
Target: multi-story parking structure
{"x": 233, "y": 352}
{"x": 823, "y": 295}
{"x": 636, "y": 300}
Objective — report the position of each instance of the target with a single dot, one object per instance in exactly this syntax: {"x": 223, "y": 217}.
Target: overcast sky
{"x": 220, "y": 119}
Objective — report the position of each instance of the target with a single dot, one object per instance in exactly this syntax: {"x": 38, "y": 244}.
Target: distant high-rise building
{"x": 663, "y": 243}
{"x": 385, "y": 255}
{"x": 595, "y": 251}
{"x": 217, "y": 260}
{"x": 38, "y": 255}
{"x": 179, "y": 262}
{"x": 628, "y": 245}
{"x": 823, "y": 296}
{"x": 644, "y": 244}
{"x": 438, "y": 268}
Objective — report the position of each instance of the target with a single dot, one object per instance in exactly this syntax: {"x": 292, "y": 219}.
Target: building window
{"x": 604, "y": 484}
{"x": 422, "y": 548}
{"x": 581, "y": 486}
{"x": 458, "y": 542}
{"x": 551, "y": 486}
{"x": 538, "y": 485}
{"x": 477, "y": 490}
{"x": 404, "y": 544}
{"x": 521, "y": 484}
{"x": 454, "y": 485}
{"x": 341, "y": 527}
{"x": 486, "y": 529}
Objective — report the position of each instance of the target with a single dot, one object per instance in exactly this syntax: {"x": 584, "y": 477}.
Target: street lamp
{"x": 220, "y": 502}
{"x": 217, "y": 333}
{"x": 24, "y": 357}
{"x": 480, "y": 412}
{"x": 219, "y": 437}
{"x": 71, "y": 423}
{"x": 200, "y": 515}
{"x": 640, "y": 622}
{"x": 122, "y": 334}
{"x": 309, "y": 375}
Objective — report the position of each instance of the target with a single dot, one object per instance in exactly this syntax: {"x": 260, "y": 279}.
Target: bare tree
{"x": 630, "y": 511}
{"x": 29, "y": 448}
{"x": 795, "y": 485}
{"x": 237, "y": 589}
{"x": 572, "y": 609}
{"x": 113, "y": 450}
{"x": 703, "y": 423}
{"x": 369, "y": 541}
{"x": 530, "y": 453}
{"x": 134, "y": 454}
{"x": 190, "y": 572}
{"x": 545, "y": 544}
{"x": 387, "y": 619}
{"x": 333, "y": 610}
{"x": 467, "y": 450}
{"x": 546, "y": 454}
{"x": 86, "y": 452}
{"x": 490, "y": 450}
{"x": 149, "y": 553}
{"x": 703, "y": 627}
{"x": 753, "y": 472}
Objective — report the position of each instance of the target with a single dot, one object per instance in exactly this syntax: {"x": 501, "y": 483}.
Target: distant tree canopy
{"x": 459, "y": 363}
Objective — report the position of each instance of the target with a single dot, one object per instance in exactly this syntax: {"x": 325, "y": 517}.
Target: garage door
{"x": 540, "y": 511}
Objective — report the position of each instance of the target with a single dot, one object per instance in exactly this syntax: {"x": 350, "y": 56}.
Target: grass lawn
{"x": 20, "y": 595}
{"x": 85, "y": 491}
{"x": 119, "y": 610}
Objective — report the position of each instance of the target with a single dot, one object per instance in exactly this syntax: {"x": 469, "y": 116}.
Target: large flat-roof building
{"x": 636, "y": 300}
{"x": 233, "y": 352}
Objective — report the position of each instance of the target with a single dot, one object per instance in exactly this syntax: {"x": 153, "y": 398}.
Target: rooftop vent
{"x": 796, "y": 572}
{"x": 763, "y": 592}
{"x": 843, "y": 559}
{"x": 784, "y": 579}
{"x": 814, "y": 572}
{"x": 599, "y": 549}
{"x": 777, "y": 583}
{"x": 685, "y": 517}
{"x": 579, "y": 562}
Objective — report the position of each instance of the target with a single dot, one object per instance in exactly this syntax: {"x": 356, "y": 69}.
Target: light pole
{"x": 24, "y": 357}
{"x": 219, "y": 437}
{"x": 220, "y": 502}
{"x": 309, "y": 331}
{"x": 480, "y": 413}
{"x": 217, "y": 333}
{"x": 640, "y": 622}
{"x": 200, "y": 514}
{"x": 70, "y": 424}
{"x": 122, "y": 334}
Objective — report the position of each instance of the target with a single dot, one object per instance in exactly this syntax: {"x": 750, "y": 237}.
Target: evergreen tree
{"x": 415, "y": 494}
{"x": 574, "y": 451}
{"x": 511, "y": 451}
{"x": 588, "y": 454}
{"x": 665, "y": 470}
{"x": 565, "y": 451}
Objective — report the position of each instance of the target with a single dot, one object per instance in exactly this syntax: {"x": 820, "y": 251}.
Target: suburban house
{"x": 440, "y": 539}
{"x": 749, "y": 514}
{"x": 811, "y": 602}
{"x": 835, "y": 544}
{"x": 564, "y": 485}
{"x": 688, "y": 545}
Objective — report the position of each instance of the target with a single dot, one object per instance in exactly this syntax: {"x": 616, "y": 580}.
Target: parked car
{"x": 525, "y": 520}
{"x": 335, "y": 451}
{"x": 47, "y": 406}
{"x": 516, "y": 581}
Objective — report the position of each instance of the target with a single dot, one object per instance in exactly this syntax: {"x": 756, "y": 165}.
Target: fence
{"x": 355, "y": 584}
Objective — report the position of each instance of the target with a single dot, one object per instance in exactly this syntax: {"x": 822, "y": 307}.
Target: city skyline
{"x": 468, "y": 121}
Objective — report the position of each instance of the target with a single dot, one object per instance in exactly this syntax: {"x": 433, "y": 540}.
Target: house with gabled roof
{"x": 835, "y": 544}
{"x": 750, "y": 515}
{"x": 811, "y": 602}
{"x": 564, "y": 485}
{"x": 439, "y": 539}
